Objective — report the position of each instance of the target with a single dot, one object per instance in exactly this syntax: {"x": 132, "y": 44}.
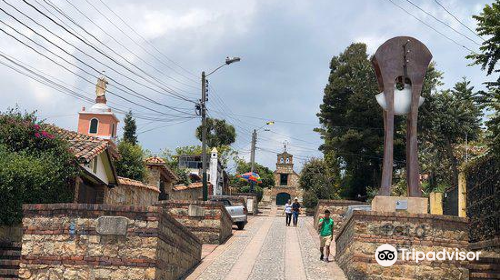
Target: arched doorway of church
{"x": 282, "y": 198}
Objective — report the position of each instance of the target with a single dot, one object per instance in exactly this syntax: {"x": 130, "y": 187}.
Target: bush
{"x": 36, "y": 167}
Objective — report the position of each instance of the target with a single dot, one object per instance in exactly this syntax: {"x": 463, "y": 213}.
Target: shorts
{"x": 325, "y": 241}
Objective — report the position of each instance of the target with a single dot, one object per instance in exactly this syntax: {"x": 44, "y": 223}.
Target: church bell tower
{"x": 99, "y": 120}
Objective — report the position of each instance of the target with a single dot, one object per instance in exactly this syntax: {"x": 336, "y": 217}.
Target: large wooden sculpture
{"x": 402, "y": 60}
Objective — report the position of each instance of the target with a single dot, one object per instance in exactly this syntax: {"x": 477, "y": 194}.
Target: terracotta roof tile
{"x": 84, "y": 147}
{"x": 155, "y": 160}
{"x": 195, "y": 185}
{"x": 134, "y": 183}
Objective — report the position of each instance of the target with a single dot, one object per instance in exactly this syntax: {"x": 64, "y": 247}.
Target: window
{"x": 287, "y": 160}
{"x": 283, "y": 179}
{"x": 113, "y": 130}
{"x": 94, "y": 123}
{"x": 282, "y": 160}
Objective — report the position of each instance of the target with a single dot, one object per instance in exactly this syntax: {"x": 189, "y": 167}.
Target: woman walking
{"x": 288, "y": 212}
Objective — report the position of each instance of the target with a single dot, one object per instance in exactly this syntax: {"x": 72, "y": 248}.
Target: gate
{"x": 282, "y": 198}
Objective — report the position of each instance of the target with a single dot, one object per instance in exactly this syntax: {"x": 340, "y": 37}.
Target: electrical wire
{"x": 158, "y": 83}
{"x": 429, "y": 26}
{"x": 442, "y": 22}
{"x": 459, "y": 21}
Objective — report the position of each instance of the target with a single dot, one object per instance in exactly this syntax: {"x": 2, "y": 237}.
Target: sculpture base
{"x": 413, "y": 205}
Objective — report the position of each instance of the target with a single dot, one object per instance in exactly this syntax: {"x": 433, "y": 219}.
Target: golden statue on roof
{"x": 100, "y": 88}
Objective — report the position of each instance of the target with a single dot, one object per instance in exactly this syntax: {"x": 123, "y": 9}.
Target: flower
{"x": 37, "y": 135}
{"x": 45, "y": 134}
{"x": 36, "y": 127}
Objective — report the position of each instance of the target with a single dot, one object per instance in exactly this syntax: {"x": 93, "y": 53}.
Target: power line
{"x": 429, "y": 26}
{"x": 459, "y": 21}
{"x": 159, "y": 84}
{"x": 151, "y": 44}
{"x": 50, "y": 3}
{"x": 442, "y": 22}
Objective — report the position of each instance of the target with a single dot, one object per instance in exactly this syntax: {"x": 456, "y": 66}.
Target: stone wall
{"x": 208, "y": 220}
{"x": 192, "y": 192}
{"x": 135, "y": 193}
{"x": 360, "y": 236}
{"x": 338, "y": 209}
{"x": 90, "y": 241}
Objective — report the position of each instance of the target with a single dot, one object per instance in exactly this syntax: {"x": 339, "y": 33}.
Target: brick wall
{"x": 360, "y": 236}
{"x": 74, "y": 241}
{"x": 338, "y": 209}
{"x": 208, "y": 220}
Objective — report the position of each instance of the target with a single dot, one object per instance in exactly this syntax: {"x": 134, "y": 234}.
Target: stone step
{"x": 10, "y": 245}
{"x": 7, "y": 263}
{"x": 10, "y": 254}
{"x": 484, "y": 266}
{"x": 8, "y": 273}
{"x": 484, "y": 275}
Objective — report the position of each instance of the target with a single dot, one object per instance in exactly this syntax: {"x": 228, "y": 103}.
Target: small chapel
{"x": 286, "y": 180}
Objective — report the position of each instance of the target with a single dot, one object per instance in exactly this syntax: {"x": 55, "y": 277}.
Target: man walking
{"x": 325, "y": 228}
{"x": 296, "y": 211}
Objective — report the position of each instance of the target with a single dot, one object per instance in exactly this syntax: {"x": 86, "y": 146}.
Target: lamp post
{"x": 252, "y": 155}
{"x": 203, "y": 109}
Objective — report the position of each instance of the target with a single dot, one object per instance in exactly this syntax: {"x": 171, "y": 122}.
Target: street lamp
{"x": 203, "y": 109}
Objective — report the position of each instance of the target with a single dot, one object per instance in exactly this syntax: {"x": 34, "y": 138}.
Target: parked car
{"x": 238, "y": 213}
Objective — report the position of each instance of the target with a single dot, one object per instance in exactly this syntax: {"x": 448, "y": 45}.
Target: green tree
{"x": 130, "y": 129}
{"x": 36, "y": 166}
{"x": 219, "y": 133}
{"x": 449, "y": 117}
{"x": 319, "y": 181}
{"x": 265, "y": 174}
{"x": 131, "y": 162}
{"x": 488, "y": 26}
{"x": 352, "y": 124}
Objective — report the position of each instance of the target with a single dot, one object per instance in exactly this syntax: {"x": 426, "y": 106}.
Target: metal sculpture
{"x": 401, "y": 60}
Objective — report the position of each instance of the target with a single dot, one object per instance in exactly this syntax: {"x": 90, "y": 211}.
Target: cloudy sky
{"x": 285, "y": 46}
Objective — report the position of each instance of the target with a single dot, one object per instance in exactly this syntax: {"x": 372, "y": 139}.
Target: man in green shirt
{"x": 325, "y": 229}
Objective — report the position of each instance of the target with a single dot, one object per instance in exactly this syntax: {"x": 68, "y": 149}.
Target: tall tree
{"x": 319, "y": 181}
{"x": 219, "y": 133}
{"x": 488, "y": 26}
{"x": 449, "y": 118}
{"x": 131, "y": 162}
{"x": 130, "y": 129}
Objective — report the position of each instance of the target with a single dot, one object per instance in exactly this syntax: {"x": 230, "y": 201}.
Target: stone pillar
{"x": 436, "y": 202}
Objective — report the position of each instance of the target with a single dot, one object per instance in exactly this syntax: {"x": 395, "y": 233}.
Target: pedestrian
{"x": 295, "y": 211}
{"x": 288, "y": 212}
{"x": 325, "y": 229}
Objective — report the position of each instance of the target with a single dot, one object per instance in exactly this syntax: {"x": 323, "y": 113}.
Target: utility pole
{"x": 252, "y": 155}
{"x": 204, "y": 135}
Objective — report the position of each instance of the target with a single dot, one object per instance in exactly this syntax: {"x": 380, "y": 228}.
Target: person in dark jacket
{"x": 295, "y": 211}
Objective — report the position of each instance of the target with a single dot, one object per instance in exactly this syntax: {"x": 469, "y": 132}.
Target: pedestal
{"x": 413, "y": 205}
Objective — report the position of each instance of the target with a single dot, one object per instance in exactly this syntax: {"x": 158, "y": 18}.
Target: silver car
{"x": 238, "y": 213}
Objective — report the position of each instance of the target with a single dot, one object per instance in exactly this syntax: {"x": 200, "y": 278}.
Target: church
{"x": 286, "y": 180}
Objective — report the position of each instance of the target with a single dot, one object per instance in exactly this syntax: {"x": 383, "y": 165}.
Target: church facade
{"x": 286, "y": 180}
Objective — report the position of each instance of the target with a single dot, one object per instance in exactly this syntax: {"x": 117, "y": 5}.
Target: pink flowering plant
{"x": 36, "y": 166}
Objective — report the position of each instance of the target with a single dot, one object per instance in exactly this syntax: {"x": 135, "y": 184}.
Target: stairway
{"x": 485, "y": 268}
{"x": 10, "y": 254}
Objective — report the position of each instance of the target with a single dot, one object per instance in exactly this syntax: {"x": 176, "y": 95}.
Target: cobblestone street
{"x": 267, "y": 249}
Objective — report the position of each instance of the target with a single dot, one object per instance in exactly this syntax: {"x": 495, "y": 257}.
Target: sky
{"x": 164, "y": 45}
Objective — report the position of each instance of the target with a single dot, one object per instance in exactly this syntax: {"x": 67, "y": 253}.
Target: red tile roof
{"x": 195, "y": 185}
{"x": 134, "y": 183}
{"x": 155, "y": 160}
{"x": 84, "y": 147}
